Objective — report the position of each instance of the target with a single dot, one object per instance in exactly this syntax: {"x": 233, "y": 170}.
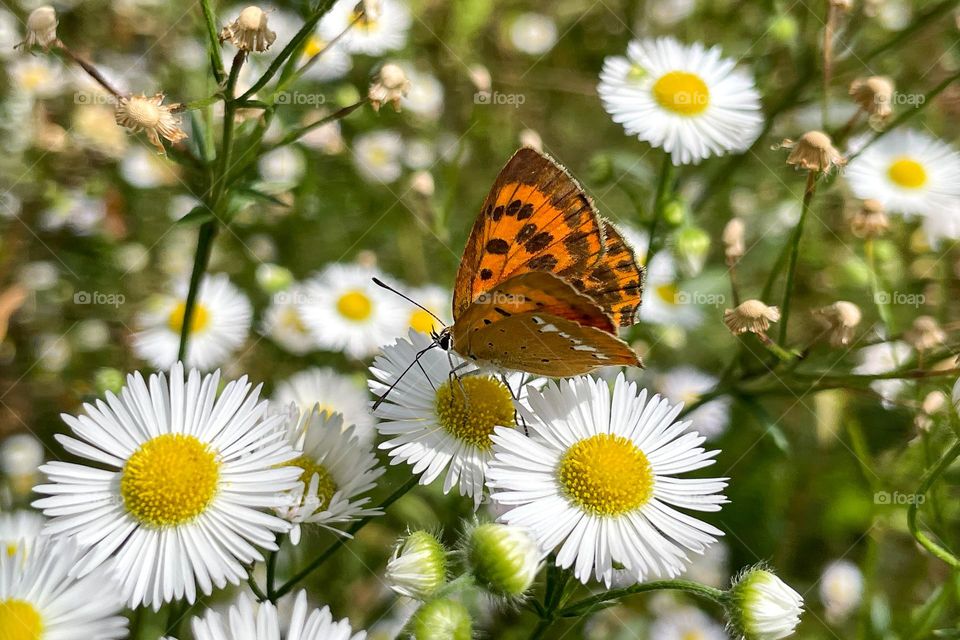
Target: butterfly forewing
{"x": 615, "y": 281}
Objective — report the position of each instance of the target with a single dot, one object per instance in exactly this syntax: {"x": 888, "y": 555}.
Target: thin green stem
{"x": 254, "y": 587}
{"x": 317, "y": 562}
{"x": 930, "y": 477}
{"x": 296, "y": 134}
{"x": 660, "y": 200}
{"x": 880, "y": 298}
{"x": 588, "y": 605}
{"x": 272, "y": 571}
{"x": 213, "y": 42}
{"x": 808, "y": 194}
{"x": 208, "y": 231}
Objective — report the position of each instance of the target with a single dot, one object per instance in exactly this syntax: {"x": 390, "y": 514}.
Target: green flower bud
{"x": 783, "y": 28}
{"x": 675, "y": 212}
{"x": 108, "y": 379}
{"x": 418, "y": 567}
{"x": 762, "y": 606}
{"x": 442, "y": 619}
{"x": 600, "y": 169}
{"x": 691, "y": 246}
{"x": 504, "y": 559}
{"x": 273, "y": 278}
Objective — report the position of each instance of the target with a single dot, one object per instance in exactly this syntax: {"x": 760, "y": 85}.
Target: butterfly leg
{"x": 517, "y": 416}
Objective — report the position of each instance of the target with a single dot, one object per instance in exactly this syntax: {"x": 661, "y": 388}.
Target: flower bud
{"x": 675, "y": 213}
{"x": 504, "y": 559}
{"x": 762, "y": 606}
{"x": 249, "y": 32}
{"x": 442, "y": 619}
{"x": 390, "y": 86}
{"x": 273, "y": 278}
{"x": 734, "y": 246}
{"x": 783, "y": 28}
{"x": 814, "y": 151}
{"x": 41, "y": 28}
{"x": 108, "y": 379}
{"x": 752, "y": 316}
{"x": 418, "y": 567}
{"x": 691, "y": 246}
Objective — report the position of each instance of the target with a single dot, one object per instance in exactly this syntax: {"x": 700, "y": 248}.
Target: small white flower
{"x": 20, "y": 455}
{"x": 908, "y": 172}
{"x": 841, "y": 589}
{"x": 346, "y": 311}
{"x": 377, "y": 156}
{"x": 883, "y": 358}
{"x": 686, "y": 384}
{"x": 686, "y": 99}
{"x": 664, "y": 301}
{"x": 36, "y": 76}
{"x": 40, "y": 597}
{"x": 74, "y": 210}
{"x": 377, "y": 27}
{"x": 942, "y": 226}
{"x": 333, "y": 63}
{"x": 19, "y": 529}
{"x": 219, "y": 325}
{"x": 437, "y": 301}
{"x": 331, "y": 393}
{"x": 172, "y": 500}
{"x": 147, "y": 170}
{"x": 282, "y": 169}
{"x": 425, "y": 96}
{"x": 436, "y": 422}
{"x": 763, "y": 607}
{"x": 596, "y": 480}
{"x": 418, "y": 566}
{"x": 533, "y": 33}
{"x": 246, "y": 620}
{"x": 687, "y": 623}
{"x": 337, "y": 468}
{"x": 284, "y": 325}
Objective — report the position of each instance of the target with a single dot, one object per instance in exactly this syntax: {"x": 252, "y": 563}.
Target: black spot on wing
{"x": 498, "y": 246}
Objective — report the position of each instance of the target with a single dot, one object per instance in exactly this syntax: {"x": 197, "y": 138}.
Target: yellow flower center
{"x": 291, "y": 320}
{"x": 169, "y": 480}
{"x": 355, "y": 305}
{"x": 667, "y": 293}
{"x": 314, "y": 46}
{"x": 606, "y": 475}
{"x": 907, "y": 173}
{"x": 692, "y": 635}
{"x": 326, "y": 486}
{"x": 198, "y": 322}
{"x": 19, "y": 620}
{"x": 681, "y": 92}
{"x": 469, "y": 409}
{"x": 636, "y": 74}
{"x": 421, "y": 321}
{"x": 12, "y": 550}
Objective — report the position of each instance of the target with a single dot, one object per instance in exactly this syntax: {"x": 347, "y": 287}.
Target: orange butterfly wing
{"x": 538, "y": 218}
{"x": 538, "y": 323}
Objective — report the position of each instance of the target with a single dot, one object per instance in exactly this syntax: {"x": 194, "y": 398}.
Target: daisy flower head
{"x": 218, "y": 327}
{"x": 19, "y": 529}
{"x": 246, "y": 620}
{"x": 686, "y": 99}
{"x": 687, "y": 623}
{"x": 372, "y": 27}
{"x": 337, "y": 469}
{"x": 686, "y": 385}
{"x": 330, "y": 392}
{"x": 377, "y": 156}
{"x": 436, "y": 422}
{"x": 41, "y": 598}
{"x": 330, "y": 61}
{"x": 284, "y": 325}
{"x": 907, "y": 171}
{"x": 183, "y": 475}
{"x": 437, "y": 301}
{"x": 596, "y": 478}
{"x": 346, "y": 311}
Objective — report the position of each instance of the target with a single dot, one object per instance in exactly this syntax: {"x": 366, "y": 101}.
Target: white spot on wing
{"x": 549, "y": 328}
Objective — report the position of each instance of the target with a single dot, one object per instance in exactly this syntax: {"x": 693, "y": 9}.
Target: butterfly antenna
{"x": 381, "y": 283}
{"x": 393, "y": 385}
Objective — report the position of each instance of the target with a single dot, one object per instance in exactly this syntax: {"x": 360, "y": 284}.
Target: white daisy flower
{"x": 146, "y": 169}
{"x": 282, "y": 169}
{"x": 37, "y": 76}
{"x": 687, "y": 623}
{"x": 188, "y": 470}
{"x": 248, "y": 621}
{"x": 533, "y": 33}
{"x": 685, "y": 385}
{"x": 437, "y": 301}
{"x": 664, "y": 302}
{"x": 377, "y": 156}
{"x": 380, "y": 28}
{"x": 596, "y": 479}
{"x": 20, "y": 455}
{"x": 331, "y": 393}
{"x": 943, "y": 225}
{"x": 437, "y": 423}
{"x": 41, "y": 598}
{"x": 883, "y": 358}
{"x": 425, "y": 96}
{"x": 333, "y": 64}
{"x": 19, "y": 529}
{"x": 347, "y": 312}
{"x": 284, "y": 325}
{"x": 907, "y": 171}
{"x": 686, "y": 99}
{"x": 73, "y": 209}
{"x": 219, "y": 326}
{"x": 841, "y": 589}
{"x": 337, "y": 468}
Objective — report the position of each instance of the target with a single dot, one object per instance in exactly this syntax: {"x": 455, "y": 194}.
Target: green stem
{"x": 931, "y": 476}
{"x": 587, "y": 605}
{"x": 557, "y": 579}
{"x": 808, "y": 194}
{"x": 213, "y": 42}
{"x": 272, "y": 571}
{"x": 208, "y": 231}
{"x": 880, "y": 298}
{"x": 317, "y": 562}
{"x": 296, "y": 134}
{"x": 255, "y": 588}
{"x": 660, "y": 200}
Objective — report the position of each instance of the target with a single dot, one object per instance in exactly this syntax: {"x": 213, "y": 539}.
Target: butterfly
{"x": 544, "y": 281}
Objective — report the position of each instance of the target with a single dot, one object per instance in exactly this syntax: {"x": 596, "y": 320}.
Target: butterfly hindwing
{"x": 535, "y": 218}
{"x": 615, "y": 280}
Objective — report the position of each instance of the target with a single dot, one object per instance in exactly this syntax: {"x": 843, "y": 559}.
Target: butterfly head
{"x": 443, "y": 338}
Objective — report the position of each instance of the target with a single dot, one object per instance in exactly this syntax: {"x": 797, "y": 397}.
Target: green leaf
{"x": 198, "y": 215}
